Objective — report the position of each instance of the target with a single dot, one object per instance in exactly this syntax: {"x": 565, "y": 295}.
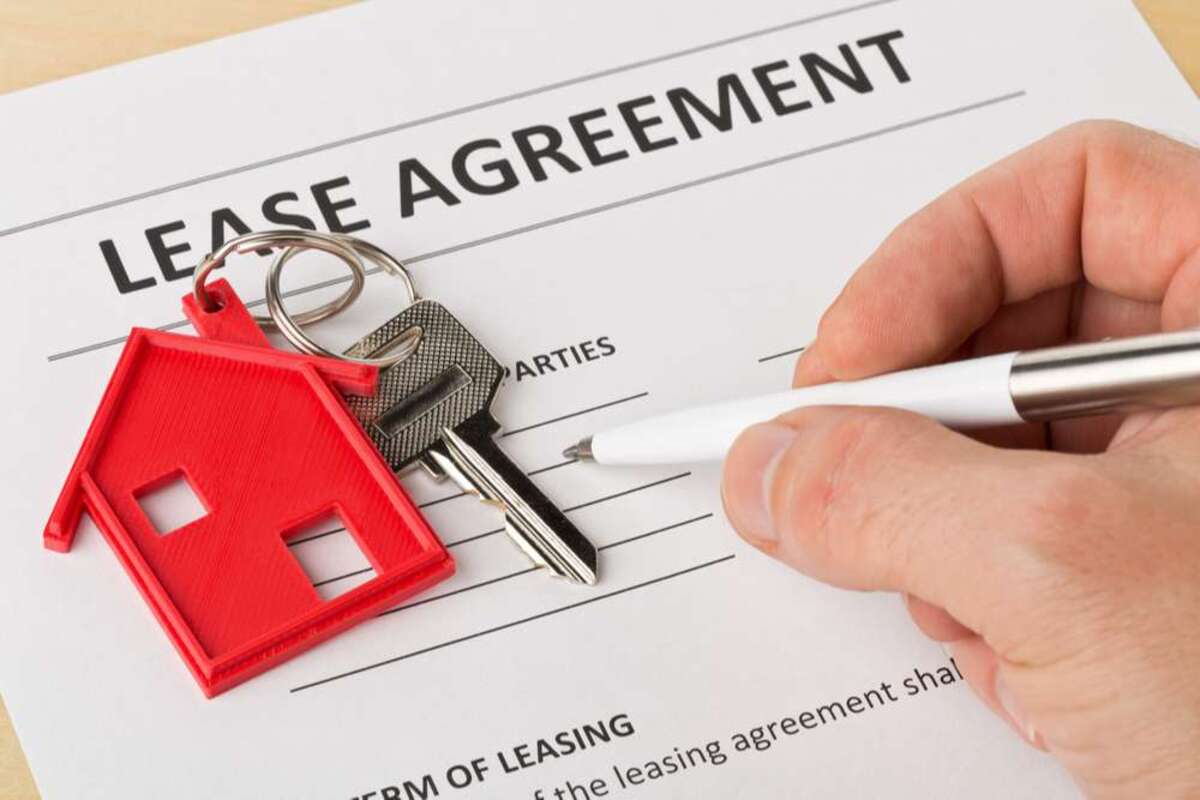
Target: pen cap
{"x": 1156, "y": 371}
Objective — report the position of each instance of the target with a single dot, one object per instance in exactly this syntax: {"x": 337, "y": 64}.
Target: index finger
{"x": 1101, "y": 201}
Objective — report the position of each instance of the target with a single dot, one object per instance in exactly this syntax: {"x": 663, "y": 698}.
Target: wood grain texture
{"x": 15, "y": 780}
{"x": 42, "y": 41}
{"x": 1177, "y": 25}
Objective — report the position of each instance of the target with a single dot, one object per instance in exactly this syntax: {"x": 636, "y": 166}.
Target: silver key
{"x": 435, "y": 407}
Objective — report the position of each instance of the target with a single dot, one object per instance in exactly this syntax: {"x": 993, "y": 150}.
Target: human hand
{"x": 1060, "y": 562}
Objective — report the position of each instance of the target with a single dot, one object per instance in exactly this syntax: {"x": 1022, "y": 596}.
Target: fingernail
{"x": 1016, "y": 714}
{"x": 749, "y": 472}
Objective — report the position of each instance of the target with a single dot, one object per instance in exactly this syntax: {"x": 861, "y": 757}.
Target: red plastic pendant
{"x": 266, "y": 442}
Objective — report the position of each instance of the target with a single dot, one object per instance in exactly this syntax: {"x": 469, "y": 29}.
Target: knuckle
{"x": 1104, "y": 133}
{"x": 1063, "y": 495}
{"x": 1072, "y": 511}
{"x": 1085, "y": 570}
{"x": 808, "y": 483}
{"x": 1058, "y": 572}
{"x": 1062, "y": 499}
{"x": 819, "y": 495}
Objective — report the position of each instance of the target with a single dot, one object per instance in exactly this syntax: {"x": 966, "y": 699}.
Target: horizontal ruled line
{"x": 328, "y": 581}
{"x": 574, "y": 414}
{"x": 774, "y": 356}
{"x": 475, "y": 538}
{"x": 531, "y": 473}
{"x": 528, "y": 570}
{"x": 170, "y": 326}
{"x": 513, "y": 624}
{"x": 437, "y": 117}
{"x": 615, "y": 495}
{"x": 429, "y": 503}
{"x": 541, "y": 470}
{"x": 620, "y": 203}
{"x": 314, "y": 537}
{"x": 569, "y": 509}
{"x": 494, "y": 531}
{"x": 444, "y": 595}
{"x": 654, "y": 532}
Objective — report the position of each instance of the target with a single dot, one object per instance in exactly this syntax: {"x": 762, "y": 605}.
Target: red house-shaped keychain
{"x": 265, "y": 441}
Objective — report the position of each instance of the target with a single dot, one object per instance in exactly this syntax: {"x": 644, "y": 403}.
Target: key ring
{"x": 290, "y": 327}
{"x": 289, "y": 239}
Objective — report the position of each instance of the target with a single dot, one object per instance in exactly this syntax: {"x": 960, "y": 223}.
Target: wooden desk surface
{"x": 42, "y": 41}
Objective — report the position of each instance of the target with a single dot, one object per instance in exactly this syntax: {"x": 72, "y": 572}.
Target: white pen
{"x": 1116, "y": 375}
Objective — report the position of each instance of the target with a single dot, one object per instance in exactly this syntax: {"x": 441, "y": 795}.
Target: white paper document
{"x": 636, "y": 207}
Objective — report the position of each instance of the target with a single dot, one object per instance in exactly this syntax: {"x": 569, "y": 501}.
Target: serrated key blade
{"x": 544, "y": 533}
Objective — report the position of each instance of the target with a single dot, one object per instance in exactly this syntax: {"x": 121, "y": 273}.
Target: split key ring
{"x": 286, "y": 240}
{"x": 291, "y": 243}
{"x": 404, "y": 345}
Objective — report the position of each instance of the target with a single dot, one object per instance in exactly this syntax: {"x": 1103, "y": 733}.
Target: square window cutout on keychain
{"x": 199, "y": 418}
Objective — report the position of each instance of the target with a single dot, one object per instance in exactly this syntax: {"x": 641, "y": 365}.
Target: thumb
{"x": 871, "y": 498}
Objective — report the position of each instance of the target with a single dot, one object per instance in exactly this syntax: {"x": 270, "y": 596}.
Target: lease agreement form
{"x": 636, "y": 206}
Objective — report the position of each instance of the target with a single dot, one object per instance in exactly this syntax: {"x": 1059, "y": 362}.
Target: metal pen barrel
{"x": 1119, "y": 375}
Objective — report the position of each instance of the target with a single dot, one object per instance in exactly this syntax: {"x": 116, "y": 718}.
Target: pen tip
{"x": 582, "y": 451}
